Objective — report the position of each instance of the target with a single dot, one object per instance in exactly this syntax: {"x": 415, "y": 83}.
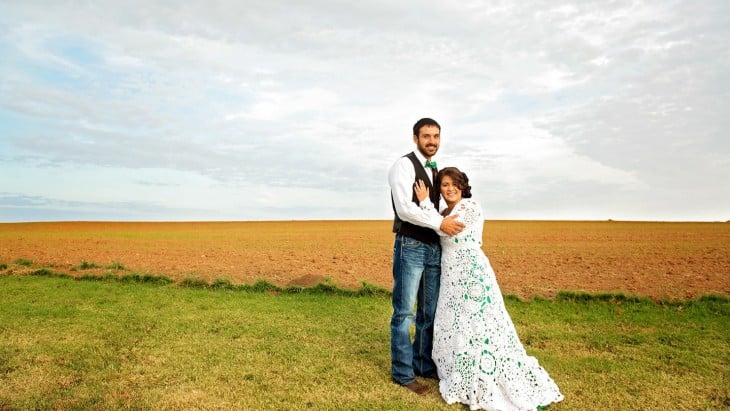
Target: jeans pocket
{"x": 408, "y": 242}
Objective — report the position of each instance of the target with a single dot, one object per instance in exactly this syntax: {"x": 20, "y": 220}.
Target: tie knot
{"x": 431, "y": 164}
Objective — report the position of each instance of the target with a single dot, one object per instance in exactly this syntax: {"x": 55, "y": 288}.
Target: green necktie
{"x": 431, "y": 164}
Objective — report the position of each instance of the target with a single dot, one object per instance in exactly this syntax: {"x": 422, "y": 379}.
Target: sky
{"x": 295, "y": 110}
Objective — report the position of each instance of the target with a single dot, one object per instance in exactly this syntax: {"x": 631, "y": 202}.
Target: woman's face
{"x": 450, "y": 191}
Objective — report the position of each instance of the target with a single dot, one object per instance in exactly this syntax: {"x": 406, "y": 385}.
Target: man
{"x": 416, "y": 259}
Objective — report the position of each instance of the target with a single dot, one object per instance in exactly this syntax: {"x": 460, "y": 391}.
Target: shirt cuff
{"x": 426, "y": 205}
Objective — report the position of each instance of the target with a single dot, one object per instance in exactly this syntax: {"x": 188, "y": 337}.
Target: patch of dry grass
{"x": 531, "y": 258}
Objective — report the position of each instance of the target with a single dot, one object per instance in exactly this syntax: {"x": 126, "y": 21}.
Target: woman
{"x": 478, "y": 355}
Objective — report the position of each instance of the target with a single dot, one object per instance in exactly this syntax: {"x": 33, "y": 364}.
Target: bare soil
{"x": 531, "y": 258}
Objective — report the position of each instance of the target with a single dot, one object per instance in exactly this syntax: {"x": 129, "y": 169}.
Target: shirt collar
{"x": 421, "y": 158}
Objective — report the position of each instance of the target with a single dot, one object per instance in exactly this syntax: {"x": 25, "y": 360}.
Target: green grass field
{"x": 68, "y": 344}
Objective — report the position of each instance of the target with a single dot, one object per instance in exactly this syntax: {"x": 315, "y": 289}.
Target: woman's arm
{"x": 470, "y": 211}
{"x": 450, "y": 226}
{"x": 400, "y": 178}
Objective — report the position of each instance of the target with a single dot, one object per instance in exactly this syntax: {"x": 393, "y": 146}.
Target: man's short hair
{"x": 424, "y": 122}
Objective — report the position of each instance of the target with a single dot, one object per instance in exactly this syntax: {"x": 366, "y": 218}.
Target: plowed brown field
{"x": 656, "y": 259}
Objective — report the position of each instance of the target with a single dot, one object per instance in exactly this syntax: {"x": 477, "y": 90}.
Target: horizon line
{"x": 355, "y": 219}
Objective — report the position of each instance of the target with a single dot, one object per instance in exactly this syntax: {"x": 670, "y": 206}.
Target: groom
{"x": 416, "y": 259}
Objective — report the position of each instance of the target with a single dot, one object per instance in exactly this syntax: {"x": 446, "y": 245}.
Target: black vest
{"x": 422, "y": 234}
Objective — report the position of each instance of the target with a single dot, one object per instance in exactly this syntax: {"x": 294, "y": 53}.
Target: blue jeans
{"x": 416, "y": 281}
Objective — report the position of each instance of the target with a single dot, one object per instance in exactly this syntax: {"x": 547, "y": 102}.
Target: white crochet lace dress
{"x": 480, "y": 359}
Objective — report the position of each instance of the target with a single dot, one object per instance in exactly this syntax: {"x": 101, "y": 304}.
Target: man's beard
{"x": 422, "y": 151}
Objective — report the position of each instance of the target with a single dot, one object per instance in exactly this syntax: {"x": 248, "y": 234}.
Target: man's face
{"x": 428, "y": 140}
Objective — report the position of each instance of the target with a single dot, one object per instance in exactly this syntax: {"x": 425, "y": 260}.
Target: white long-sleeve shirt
{"x": 401, "y": 177}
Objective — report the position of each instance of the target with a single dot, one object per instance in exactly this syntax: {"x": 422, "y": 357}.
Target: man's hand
{"x": 450, "y": 226}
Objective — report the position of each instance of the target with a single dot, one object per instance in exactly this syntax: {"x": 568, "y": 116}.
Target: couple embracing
{"x": 443, "y": 282}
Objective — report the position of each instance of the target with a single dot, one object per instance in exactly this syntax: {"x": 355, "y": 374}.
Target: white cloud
{"x": 614, "y": 102}
{"x": 273, "y": 106}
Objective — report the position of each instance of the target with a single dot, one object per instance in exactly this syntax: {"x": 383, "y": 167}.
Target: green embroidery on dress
{"x": 487, "y": 362}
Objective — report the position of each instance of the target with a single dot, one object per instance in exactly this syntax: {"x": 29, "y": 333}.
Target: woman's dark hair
{"x": 459, "y": 178}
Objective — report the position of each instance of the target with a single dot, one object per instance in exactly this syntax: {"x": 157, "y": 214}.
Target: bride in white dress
{"x": 479, "y": 357}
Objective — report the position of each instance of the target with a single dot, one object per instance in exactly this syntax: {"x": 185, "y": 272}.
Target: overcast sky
{"x": 295, "y": 110}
